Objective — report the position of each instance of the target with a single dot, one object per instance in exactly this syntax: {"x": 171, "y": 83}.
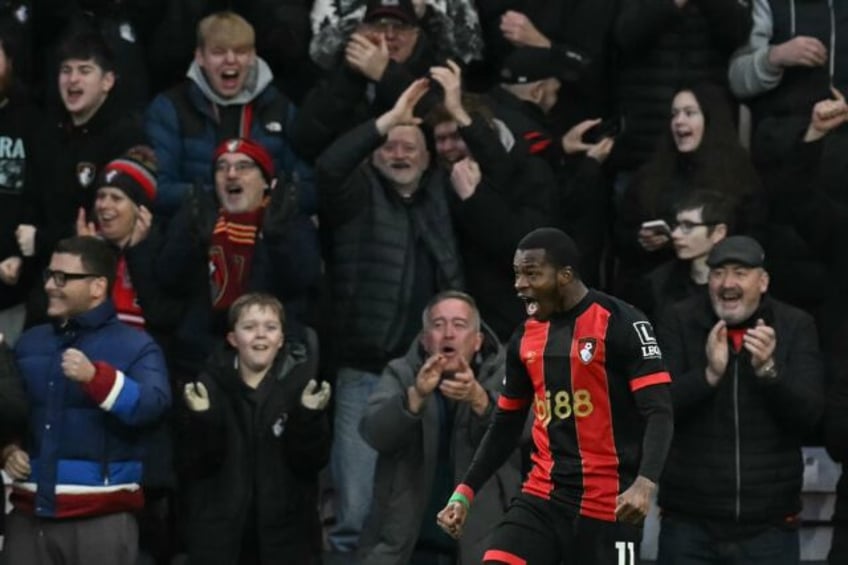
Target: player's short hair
{"x": 260, "y": 299}
{"x": 226, "y": 29}
{"x": 448, "y": 295}
{"x": 87, "y": 45}
{"x": 560, "y": 250}
{"x": 97, "y": 257}
{"x": 716, "y": 208}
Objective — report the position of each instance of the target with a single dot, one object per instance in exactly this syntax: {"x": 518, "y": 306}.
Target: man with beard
{"x": 249, "y": 235}
{"x": 748, "y": 386}
{"x": 19, "y": 123}
{"x": 228, "y": 94}
{"x": 590, "y": 366}
{"x": 391, "y": 247}
{"x": 499, "y": 194}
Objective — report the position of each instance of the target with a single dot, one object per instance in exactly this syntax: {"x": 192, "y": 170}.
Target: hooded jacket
{"x": 186, "y": 124}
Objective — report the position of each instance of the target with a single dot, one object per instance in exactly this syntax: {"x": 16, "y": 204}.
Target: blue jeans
{"x": 352, "y": 461}
{"x": 686, "y": 543}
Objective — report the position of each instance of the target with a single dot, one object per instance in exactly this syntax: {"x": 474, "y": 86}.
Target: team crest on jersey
{"x": 586, "y": 347}
{"x": 85, "y": 173}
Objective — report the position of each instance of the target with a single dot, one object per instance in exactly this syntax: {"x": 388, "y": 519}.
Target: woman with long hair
{"x": 699, "y": 151}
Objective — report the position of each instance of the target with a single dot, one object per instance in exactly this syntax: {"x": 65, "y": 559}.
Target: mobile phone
{"x": 658, "y": 226}
{"x": 447, "y": 375}
{"x": 611, "y": 127}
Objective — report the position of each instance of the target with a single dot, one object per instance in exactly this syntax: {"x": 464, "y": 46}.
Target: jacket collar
{"x": 93, "y": 318}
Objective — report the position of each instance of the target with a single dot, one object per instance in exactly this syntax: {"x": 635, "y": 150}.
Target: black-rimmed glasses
{"x": 61, "y": 278}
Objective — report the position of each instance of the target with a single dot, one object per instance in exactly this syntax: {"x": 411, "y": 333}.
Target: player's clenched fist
{"x": 452, "y": 518}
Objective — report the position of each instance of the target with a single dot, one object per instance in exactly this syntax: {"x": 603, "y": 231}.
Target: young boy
{"x": 256, "y": 437}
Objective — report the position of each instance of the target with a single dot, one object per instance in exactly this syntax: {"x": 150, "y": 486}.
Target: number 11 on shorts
{"x": 626, "y": 552}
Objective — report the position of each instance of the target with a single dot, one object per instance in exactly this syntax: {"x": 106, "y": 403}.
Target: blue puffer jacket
{"x": 185, "y": 126}
{"x": 86, "y": 442}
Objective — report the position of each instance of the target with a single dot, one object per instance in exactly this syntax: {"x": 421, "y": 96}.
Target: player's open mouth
{"x": 448, "y": 350}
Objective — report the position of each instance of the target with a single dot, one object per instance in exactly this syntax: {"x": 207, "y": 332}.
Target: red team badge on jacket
{"x": 586, "y": 347}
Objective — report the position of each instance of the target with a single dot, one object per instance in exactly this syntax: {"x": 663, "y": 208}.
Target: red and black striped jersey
{"x": 579, "y": 371}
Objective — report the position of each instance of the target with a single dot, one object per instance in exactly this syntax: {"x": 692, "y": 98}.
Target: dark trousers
{"x": 111, "y": 539}
{"x": 684, "y": 542}
{"x": 542, "y": 532}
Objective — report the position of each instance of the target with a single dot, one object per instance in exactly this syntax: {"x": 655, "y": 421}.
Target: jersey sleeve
{"x": 505, "y": 429}
{"x": 639, "y": 349}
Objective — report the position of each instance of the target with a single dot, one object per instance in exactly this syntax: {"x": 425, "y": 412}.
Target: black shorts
{"x": 542, "y": 532}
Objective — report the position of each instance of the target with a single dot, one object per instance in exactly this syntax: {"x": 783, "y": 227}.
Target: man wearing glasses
{"x": 383, "y": 56}
{"x": 228, "y": 92}
{"x": 95, "y": 386}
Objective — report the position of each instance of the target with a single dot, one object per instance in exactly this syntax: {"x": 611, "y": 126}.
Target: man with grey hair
{"x": 425, "y": 419}
{"x": 391, "y": 248}
{"x": 747, "y": 385}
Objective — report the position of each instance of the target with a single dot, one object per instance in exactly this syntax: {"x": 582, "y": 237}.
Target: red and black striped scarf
{"x": 231, "y": 255}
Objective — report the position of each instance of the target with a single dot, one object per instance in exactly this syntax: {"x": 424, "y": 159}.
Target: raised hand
{"x": 465, "y": 177}
{"x": 196, "y": 397}
{"x": 366, "y": 57}
{"x": 520, "y": 31}
{"x": 10, "y": 270}
{"x": 315, "y": 398}
{"x": 403, "y": 111}
{"x": 76, "y": 366}
{"x": 141, "y": 227}
{"x": 827, "y": 115}
{"x": 450, "y": 78}
{"x": 718, "y": 353}
{"x": 760, "y": 341}
{"x": 572, "y": 141}
{"x": 25, "y": 235}
{"x": 84, "y": 227}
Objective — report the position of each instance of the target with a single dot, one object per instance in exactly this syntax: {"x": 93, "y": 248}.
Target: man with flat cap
{"x": 747, "y": 386}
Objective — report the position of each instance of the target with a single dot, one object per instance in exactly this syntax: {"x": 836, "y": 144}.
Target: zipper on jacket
{"x": 832, "y": 40}
{"x": 737, "y": 438}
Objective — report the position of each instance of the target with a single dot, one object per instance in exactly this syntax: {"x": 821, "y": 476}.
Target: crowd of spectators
{"x": 246, "y": 181}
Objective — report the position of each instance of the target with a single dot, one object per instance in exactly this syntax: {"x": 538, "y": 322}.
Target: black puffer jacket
{"x": 736, "y": 454}
{"x": 663, "y": 48}
{"x": 255, "y": 471}
{"x": 371, "y": 232}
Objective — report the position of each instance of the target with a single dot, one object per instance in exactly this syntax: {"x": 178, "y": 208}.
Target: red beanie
{"x": 250, "y": 148}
